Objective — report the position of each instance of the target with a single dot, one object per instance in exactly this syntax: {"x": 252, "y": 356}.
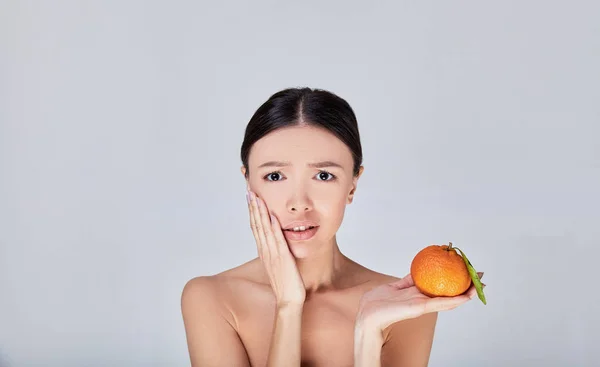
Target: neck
{"x": 321, "y": 269}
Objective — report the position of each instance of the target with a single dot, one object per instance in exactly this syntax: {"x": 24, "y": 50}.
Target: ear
{"x": 243, "y": 170}
{"x": 354, "y": 185}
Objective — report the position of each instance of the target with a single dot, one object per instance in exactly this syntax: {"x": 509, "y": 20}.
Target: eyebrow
{"x": 315, "y": 165}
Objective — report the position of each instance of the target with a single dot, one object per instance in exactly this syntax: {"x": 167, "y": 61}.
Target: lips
{"x": 296, "y": 236}
{"x": 300, "y": 225}
{"x": 299, "y": 228}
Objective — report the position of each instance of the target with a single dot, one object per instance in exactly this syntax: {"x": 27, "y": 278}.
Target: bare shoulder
{"x": 204, "y": 294}
{"x": 201, "y": 290}
{"x": 207, "y": 305}
{"x": 218, "y": 288}
{"x": 229, "y": 291}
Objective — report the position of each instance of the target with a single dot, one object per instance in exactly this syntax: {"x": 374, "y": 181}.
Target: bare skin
{"x": 302, "y": 302}
{"x": 328, "y": 315}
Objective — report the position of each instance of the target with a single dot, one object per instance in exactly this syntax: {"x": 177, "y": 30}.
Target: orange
{"x": 440, "y": 271}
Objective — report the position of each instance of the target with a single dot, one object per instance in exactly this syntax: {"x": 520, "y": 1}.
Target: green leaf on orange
{"x": 474, "y": 276}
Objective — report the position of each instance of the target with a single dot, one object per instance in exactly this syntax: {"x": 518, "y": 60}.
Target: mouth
{"x": 299, "y": 229}
{"x": 300, "y": 233}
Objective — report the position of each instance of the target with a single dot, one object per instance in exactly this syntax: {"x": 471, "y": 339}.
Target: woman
{"x": 302, "y": 301}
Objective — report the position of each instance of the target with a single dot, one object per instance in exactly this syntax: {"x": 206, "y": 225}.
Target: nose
{"x": 299, "y": 203}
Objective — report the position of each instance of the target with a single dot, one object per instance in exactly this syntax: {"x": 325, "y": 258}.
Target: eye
{"x": 321, "y": 176}
{"x": 273, "y": 176}
{"x": 324, "y": 174}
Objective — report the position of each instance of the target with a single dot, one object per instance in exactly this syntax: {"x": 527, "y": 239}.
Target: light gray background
{"x": 120, "y": 128}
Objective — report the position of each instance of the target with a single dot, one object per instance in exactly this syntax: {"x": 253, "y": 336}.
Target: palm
{"x": 402, "y": 300}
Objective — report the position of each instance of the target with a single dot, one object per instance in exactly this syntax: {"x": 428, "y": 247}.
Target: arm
{"x": 285, "y": 281}
{"x": 285, "y": 339}
{"x": 409, "y": 318}
{"x": 367, "y": 345}
{"x": 212, "y": 340}
{"x": 409, "y": 342}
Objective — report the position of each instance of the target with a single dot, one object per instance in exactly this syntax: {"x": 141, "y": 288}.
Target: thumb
{"x": 405, "y": 282}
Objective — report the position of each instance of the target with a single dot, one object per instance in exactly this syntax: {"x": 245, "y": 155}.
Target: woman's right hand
{"x": 275, "y": 254}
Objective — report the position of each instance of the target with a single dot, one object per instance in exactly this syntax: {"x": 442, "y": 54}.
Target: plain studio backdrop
{"x": 120, "y": 129}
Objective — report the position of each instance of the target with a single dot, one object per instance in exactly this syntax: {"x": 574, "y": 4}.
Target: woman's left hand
{"x": 401, "y": 300}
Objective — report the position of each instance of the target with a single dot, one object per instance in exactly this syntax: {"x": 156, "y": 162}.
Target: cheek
{"x": 334, "y": 210}
{"x": 274, "y": 199}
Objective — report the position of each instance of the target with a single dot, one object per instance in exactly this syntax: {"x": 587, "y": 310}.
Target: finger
{"x": 405, "y": 282}
{"x": 260, "y": 228}
{"x": 267, "y": 226}
{"x": 472, "y": 292}
{"x": 260, "y": 235}
{"x": 253, "y": 225}
{"x": 480, "y": 275}
{"x": 438, "y": 304}
{"x": 279, "y": 237}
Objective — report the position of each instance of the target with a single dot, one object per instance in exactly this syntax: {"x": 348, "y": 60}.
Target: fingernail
{"x": 258, "y": 202}
{"x": 251, "y": 195}
{"x": 247, "y": 197}
{"x": 272, "y": 219}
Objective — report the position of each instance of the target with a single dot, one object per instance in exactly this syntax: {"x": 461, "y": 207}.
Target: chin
{"x": 300, "y": 250}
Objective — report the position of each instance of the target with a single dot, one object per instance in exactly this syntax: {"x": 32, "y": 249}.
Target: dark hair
{"x": 305, "y": 106}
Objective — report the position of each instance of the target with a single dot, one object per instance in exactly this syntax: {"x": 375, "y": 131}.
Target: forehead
{"x": 300, "y": 144}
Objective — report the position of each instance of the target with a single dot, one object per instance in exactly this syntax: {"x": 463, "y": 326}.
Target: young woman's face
{"x": 304, "y": 174}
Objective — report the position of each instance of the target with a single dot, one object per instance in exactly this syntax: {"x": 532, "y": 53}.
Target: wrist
{"x": 366, "y": 323}
{"x": 289, "y": 308}
{"x": 366, "y": 332}
{"x": 368, "y": 342}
